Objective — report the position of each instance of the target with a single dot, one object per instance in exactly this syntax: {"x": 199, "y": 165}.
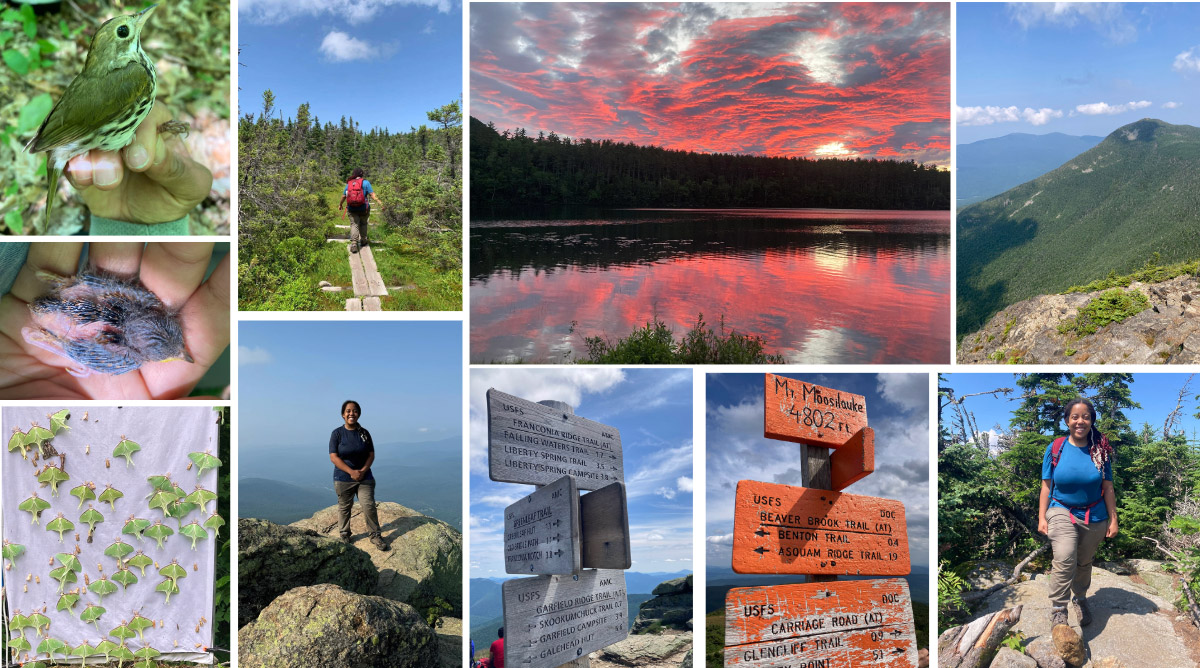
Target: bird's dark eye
{"x": 123, "y": 31}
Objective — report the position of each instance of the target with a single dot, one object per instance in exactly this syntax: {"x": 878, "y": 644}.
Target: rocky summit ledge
{"x": 1028, "y": 332}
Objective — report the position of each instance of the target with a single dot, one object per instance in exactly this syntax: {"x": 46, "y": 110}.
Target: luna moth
{"x": 91, "y": 517}
{"x": 125, "y": 577}
{"x": 18, "y": 441}
{"x": 173, "y": 571}
{"x": 38, "y": 435}
{"x": 204, "y": 462}
{"x": 64, "y": 575}
{"x": 125, "y": 449}
{"x": 92, "y": 613}
{"x": 85, "y": 492}
{"x": 159, "y": 532}
{"x": 195, "y": 532}
{"x": 118, "y": 550}
{"x": 11, "y": 551}
{"x": 102, "y": 587}
{"x": 201, "y": 497}
{"x": 214, "y": 523}
{"x": 61, "y": 525}
{"x": 67, "y": 601}
{"x": 162, "y": 499}
{"x": 134, "y": 526}
{"x": 110, "y": 496}
{"x": 141, "y": 561}
{"x": 139, "y": 624}
{"x": 167, "y": 587}
{"x": 51, "y": 646}
{"x": 53, "y": 475}
{"x": 58, "y": 421}
{"x": 34, "y": 506}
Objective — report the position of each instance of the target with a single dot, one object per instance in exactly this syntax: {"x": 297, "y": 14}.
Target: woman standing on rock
{"x": 352, "y": 452}
{"x": 1077, "y": 508}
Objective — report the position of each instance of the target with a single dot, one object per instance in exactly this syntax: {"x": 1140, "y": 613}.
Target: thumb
{"x": 174, "y": 170}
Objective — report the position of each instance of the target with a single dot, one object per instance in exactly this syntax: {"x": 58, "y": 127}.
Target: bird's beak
{"x": 143, "y": 15}
{"x": 184, "y": 357}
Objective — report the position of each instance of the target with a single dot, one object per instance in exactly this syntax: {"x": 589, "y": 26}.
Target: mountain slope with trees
{"x": 511, "y": 171}
{"x": 1110, "y": 209}
{"x": 988, "y": 167}
{"x": 291, "y": 175}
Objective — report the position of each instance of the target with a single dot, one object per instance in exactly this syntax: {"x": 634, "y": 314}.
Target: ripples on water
{"x": 820, "y": 286}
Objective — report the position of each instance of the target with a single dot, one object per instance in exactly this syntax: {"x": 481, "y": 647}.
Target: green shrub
{"x": 1110, "y": 306}
{"x": 654, "y": 343}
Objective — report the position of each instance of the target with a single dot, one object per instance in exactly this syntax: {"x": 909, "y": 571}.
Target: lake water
{"x": 827, "y": 286}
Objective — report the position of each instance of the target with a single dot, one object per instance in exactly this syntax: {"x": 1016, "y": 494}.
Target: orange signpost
{"x": 806, "y": 413}
{"x": 821, "y": 625}
{"x": 853, "y": 461}
{"x": 785, "y": 529}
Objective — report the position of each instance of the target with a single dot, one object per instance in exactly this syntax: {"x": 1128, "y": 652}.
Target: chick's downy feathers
{"x": 104, "y": 323}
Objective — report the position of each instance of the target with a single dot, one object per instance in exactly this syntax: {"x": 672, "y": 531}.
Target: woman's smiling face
{"x": 350, "y": 413}
{"x": 1079, "y": 421}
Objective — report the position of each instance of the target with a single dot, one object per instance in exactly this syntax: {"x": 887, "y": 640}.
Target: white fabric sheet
{"x": 166, "y": 436}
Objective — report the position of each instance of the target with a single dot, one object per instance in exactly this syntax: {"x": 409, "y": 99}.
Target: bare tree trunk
{"x": 1192, "y": 607}
{"x": 973, "y": 596}
{"x": 969, "y": 645}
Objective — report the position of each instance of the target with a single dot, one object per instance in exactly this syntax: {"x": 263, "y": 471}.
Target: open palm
{"x": 173, "y": 271}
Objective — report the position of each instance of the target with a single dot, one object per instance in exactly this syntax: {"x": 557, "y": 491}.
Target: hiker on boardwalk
{"x": 1078, "y": 508}
{"x": 352, "y": 452}
{"x": 355, "y": 198}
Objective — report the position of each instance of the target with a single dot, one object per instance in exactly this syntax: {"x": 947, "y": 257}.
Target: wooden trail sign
{"x": 553, "y": 619}
{"x": 806, "y": 413}
{"x": 784, "y": 529}
{"x": 821, "y": 625}
{"x": 541, "y": 531}
{"x": 604, "y": 516}
{"x": 535, "y": 444}
{"x": 854, "y": 460}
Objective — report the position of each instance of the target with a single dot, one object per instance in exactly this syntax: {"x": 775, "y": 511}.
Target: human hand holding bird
{"x": 172, "y": 272}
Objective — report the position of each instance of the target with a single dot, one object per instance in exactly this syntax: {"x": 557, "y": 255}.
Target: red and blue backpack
{"x": 1055, "y": 453}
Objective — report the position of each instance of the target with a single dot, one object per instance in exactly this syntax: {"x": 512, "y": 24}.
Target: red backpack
{"x": 354, "y": 193}
{"x": 1055, "y": 453}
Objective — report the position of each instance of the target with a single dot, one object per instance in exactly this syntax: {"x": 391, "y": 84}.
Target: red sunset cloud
{"x": 867, "y": 80}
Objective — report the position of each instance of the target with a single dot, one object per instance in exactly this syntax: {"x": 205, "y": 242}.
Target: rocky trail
{"x": 1134, "y": 623}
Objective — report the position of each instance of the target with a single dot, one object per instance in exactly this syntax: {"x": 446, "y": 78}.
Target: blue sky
{"x": 653, "y": 410}
{"x": 293, "y": 377}
{"x": 383, "y": 62}
{"x": 1076, "y": 68}
{"x": 1156, "y": 392}
{"x": 897, "y": 409}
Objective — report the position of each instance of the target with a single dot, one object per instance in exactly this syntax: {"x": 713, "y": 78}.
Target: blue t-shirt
{"x": 366, "y": 195}
{"x": 352, "y": 447}
{"x": 1077, "y": 483}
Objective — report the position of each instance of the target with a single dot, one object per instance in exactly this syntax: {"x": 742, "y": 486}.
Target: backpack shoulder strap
{"x": 1056, "y": 452}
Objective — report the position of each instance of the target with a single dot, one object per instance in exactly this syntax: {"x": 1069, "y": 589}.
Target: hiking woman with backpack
{"x": 355, "y": 197}
{"x": 1078, "y": 508}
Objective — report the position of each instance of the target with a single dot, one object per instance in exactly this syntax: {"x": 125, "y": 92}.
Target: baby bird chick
{"x": 104, "y": 323}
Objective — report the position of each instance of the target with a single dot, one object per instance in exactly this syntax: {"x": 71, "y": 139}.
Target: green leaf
{"x": 46, "y": 46}
{"x": 5, "y": 35}
{"x": 31, "y": 116}
{"x": 9, "y": 192}
{"x": 17, "y": 62}
{"x": 62, "y": 26}
{"x": 13, "y": 221}
{"x": 10, "y": 16}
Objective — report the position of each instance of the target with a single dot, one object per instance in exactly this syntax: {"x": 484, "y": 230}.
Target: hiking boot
{"x": 346, "y": 539}
{"x": 353, "y": 247}
{"x": 378, "y": 542}
{"x": 1058, "y": 615}
{"x": 1083, "y": 611}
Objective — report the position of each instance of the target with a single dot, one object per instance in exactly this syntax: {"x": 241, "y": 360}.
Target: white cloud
{"x": 665, "y": 492}
{"x": 1188, "y": 61}
{"x": 1172, "y": 105}
{"x": 1107, "y": 18}
{"x": 340, "y": 47}
{"x": 909, "y": 391}
{"x": 989, "y": 115}
{"x": 1096, "y": 108}
{"x": 353, "y": 11}
{"x": 726, "y": 539}
{"x": 500, "y": 499}
{"x": 428, "y": 29}
{"x": 249, "y": 355}
{"x": 685, "y": 483}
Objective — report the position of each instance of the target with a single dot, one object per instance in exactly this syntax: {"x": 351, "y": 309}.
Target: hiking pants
{"x": 358, "y": 227}
{"x": 366, "y": 496}
{"x": 1074, "y": 545}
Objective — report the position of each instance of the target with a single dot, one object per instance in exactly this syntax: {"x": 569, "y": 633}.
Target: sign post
{"x": 817, "y": 531}
{"x": 576, "y": 546}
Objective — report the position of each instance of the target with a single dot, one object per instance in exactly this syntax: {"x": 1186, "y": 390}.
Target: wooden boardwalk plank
{"x": 358, "y": 274}
{"x": 374, "y": 280}
{"x": 354, "y": 304}
{"x": 372, "y": 304}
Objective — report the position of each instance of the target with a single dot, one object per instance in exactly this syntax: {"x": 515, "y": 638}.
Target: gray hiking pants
{"x": 358, "y": 227}
{"x": 1074, "y": 545}
{"x": 366, "y": 496}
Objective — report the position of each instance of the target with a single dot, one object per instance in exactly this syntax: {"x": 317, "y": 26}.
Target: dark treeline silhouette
{"x": 512, "y": 171}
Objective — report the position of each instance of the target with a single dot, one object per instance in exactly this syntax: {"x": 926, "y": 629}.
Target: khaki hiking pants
{"x": 366, "y": 496}
{"x": 1074, "y": 545}
{"x": 358, "y": 227}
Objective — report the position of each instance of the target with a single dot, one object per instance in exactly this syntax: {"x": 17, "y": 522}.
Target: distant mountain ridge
{"x": 988, "y": 167}
{"x": 1109, "y": 209}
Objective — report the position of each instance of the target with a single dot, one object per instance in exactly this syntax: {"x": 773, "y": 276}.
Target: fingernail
{"x": 138, "y": 157}
{"x": 160, "y": 151}
{"x": 104, "y": 173}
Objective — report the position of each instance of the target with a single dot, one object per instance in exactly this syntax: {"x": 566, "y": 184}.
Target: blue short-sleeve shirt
{"x": 1077, "y": 483}
{"x": 352, "y": 447}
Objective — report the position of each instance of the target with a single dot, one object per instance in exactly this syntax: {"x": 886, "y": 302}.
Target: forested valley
{"x": 989, "y": 481}
{"x": 513, "y": 172}
{"x": 291, "y": 177}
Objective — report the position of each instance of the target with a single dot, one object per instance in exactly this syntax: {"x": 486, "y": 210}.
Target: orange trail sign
{"x": 821, "y": 625}
{"x": 785, "y": 529}
{"x": 806, "y": 413}
{"x": 853, "y": 461}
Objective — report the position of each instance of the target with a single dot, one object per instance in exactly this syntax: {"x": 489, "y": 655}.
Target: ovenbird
{"x": 105, "y": 103}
